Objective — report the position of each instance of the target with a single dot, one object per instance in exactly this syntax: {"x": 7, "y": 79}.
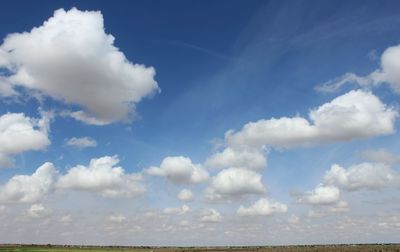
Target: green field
{"x": 311, "y": 248}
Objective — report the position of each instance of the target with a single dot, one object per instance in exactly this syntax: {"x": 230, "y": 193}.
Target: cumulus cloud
{"x": 103, "y": 177}
{"x": 37, "y": 211}
{"x": 180, "y": 170}
{"x": 381, "y": 156}
{"x": 246, "y": 158}
{"x": 322, "y": 194}
{"x": 82, "y": 142}
{"x": 234, "y": 183}
{"x": 388, "y": 72}
{"x": 29, "y": 188}
{"x": 71, "y": 59}
{"x": 19, "y": 133}
{"x": 362, "y": 176}
{"x": 185, "y": 195}
{"x": 357, "y": 114}
{"x": 263, "y": 206}
{"x": 211, "y": 215}
{"x": 177, "y": 210}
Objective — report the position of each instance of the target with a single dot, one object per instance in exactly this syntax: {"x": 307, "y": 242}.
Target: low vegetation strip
{"x": 305, "y": 248}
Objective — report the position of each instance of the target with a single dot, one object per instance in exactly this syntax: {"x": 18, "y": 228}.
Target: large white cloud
{"x": 356, "y": 114}
{"x": 180, "y": 170}
{"x": 246, "y": 158}
{"x": 19, "y": 133}
{"x": 362, "y": 176}
{"x": 71, "y": 59}
{"x": 389, "y": 72}
{"x": 263, "y": 206}
{"x": 103, "y": 177}
{"x": 29, "y": 188}
{"x": 322, "y": 194}
{"x": 234, "y": 183}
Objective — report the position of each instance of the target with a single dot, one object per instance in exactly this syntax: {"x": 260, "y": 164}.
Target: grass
{"x": 305, "y": 248}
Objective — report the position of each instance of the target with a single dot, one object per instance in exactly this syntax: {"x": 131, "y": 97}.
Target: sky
{"x": 191, "y": 123}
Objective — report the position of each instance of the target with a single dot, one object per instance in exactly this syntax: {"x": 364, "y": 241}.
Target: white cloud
{"x": 389, "y": 72}
{"x": 322, "y": 194}
{"x": 66, "y": 219}
{"x": 37, "y": 211}
{"x": 29, "y": 189}
{"x": 3, "y": 210}
{"x": 211, "y": 215}
{"x": 246, "y": 158}
{"x": 357, "y": 114}
{"x": 263, "y": 206}
{"x": 104, "y": 178}
{"x": 178, "y": 210}
{"x": 19, "y": 133}
{"x": 381, "y": 156}
{"x": 294, "y": 219}
{"x": 362, "y": 176}
{"x": 118, "y": 219}
{"x": 233, "y": 183}
{"x": 82, "y": 142}
{"x": 84, "y": 117}
{"x": 340, "y": 207}
{"x": 185, "y": 195}
{"x": 71, "y": 59}
{"x": 180, "y": 170}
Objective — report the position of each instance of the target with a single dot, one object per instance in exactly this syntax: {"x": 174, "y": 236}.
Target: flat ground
{"x": 319, "y": 248}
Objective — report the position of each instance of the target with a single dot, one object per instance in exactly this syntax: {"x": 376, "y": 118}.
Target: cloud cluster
{"x": 30, "y": 188}
{"x": 71, "y": 59}
{"x": 362, "y": 176}
{"x": 263, "y": 206}
{"x": 103, "y": 177}
{"x": 180, "y": 170}
{"x": 19, "y": 133}
{"x": 389, "y": 72}
{"x": 357, "y": 114}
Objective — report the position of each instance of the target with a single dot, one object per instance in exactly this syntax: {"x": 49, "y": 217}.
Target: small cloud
{"x": 37, "y": 211}
{"x": 180, "y": 170}
{"x": 211, "y": 215}
{"x": 178, "y": 210}
{"x": 82, "y": 142}
{"x": 117, "y": 219}
{"x": 185, "y": 195}
{"x": 263, "y": 206}
{"x": 66, "y": 219}
{"x": 321, "y": 195}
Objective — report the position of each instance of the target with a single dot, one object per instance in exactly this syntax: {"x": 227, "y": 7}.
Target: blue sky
{"x": 247, "y": 105}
